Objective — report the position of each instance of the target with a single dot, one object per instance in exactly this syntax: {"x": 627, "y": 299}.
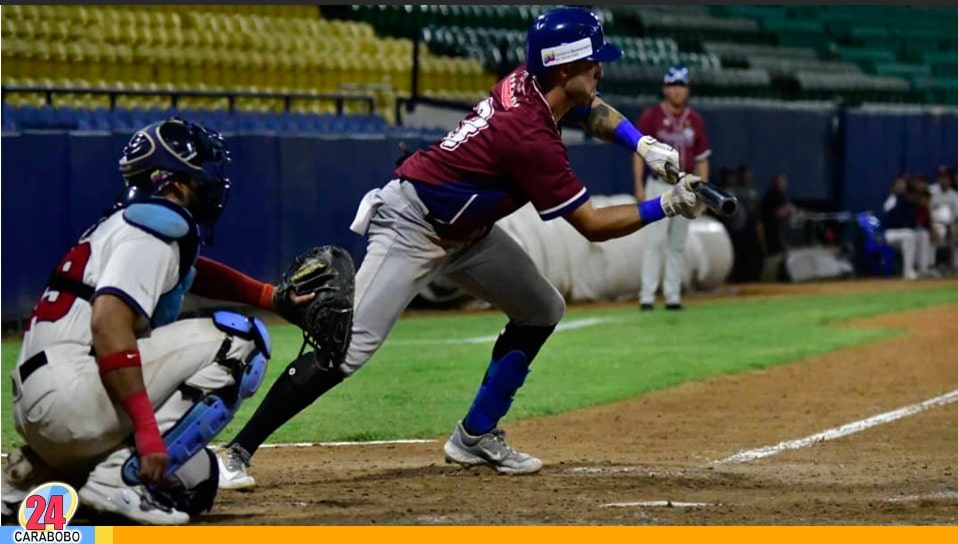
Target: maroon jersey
{"x": 506, "y": 153}
{"x": 685, "y": 132}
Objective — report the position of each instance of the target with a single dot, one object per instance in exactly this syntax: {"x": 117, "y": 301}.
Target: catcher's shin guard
{"x": 213, "y": 412}
{"x": 503, "y": 378}
{"x": 188, "y": 437}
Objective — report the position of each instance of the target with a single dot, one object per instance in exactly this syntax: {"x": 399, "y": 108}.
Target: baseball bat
{"x": 715, "y": 199}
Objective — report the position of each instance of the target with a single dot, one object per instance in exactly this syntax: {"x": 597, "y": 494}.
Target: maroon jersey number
{"x": 53, "y": 305}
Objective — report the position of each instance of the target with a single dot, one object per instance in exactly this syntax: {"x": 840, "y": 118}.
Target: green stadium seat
{"x": 866, "y": 57}
{"x": 943, "y": 64}
{"x": 938, "y": 90}
{"x": 740, "y": 52}
{"x": 796, "y": 32}
{"x": 903, "y": 70}
{"x": 778, "y": 66}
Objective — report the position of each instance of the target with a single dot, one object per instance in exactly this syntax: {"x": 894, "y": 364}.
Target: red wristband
{"x": 266, "y": 297}
{"x": 120, "y": 359}
{"x": 145, "y": 430}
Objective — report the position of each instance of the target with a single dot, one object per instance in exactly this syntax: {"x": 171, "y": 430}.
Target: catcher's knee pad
{"x": 251, "y": 378}
{"x": 247, "y": 328}
{"x": 503, "y": 378}
{"x": 197, "y": 428}
{"x": 192, "y": 488}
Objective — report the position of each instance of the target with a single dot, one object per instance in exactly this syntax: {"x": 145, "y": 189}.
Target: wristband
{"x": 120, "y": 359}
{"x": 651, "y": 210}
{"x": 145, "y": 430}
{"x": 627, "y": 135}
{"x": 266, "y": 297}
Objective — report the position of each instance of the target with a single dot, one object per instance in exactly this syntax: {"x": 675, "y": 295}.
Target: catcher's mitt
{"x": 327, "y": 320}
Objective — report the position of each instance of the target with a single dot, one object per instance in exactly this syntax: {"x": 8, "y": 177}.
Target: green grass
{"x": 411, "y": 390}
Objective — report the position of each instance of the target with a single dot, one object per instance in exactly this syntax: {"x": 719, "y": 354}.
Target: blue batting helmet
{"x": 677, "y": 75}
{"x": 175, "y": 149}
{"x": 563, "y": 35}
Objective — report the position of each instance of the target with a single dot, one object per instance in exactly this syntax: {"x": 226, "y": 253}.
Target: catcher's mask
{"x": 178, "y": 150}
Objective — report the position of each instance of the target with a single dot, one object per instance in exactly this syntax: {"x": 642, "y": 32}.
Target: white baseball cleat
{"x": 233, "y": 464}
{"x": 133, "y": 503}
{"x": 489, "y": 449}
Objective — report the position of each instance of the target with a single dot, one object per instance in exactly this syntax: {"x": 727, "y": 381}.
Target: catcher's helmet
{"x": 564, "y": 35}
{"x": 175, "y": 149}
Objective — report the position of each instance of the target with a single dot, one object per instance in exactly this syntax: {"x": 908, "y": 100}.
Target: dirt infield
{"x": 662, "y": 448}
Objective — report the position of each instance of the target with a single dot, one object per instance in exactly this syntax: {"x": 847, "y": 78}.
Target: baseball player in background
{"x": 675, "y": 123}
{"x": 106, "y": 374}
{"x": 438, "y": 216}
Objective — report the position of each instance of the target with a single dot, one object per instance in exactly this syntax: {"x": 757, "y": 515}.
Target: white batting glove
{"x": 657, "y": 155}
{"x": 682, "y": 198}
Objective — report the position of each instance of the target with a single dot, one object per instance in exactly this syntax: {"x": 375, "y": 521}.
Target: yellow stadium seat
{"x": 27, "y": 29}
{"x": 77, "y": 15}
{"x": 10, "y": 28}
{"x": 13, "y": 12}
{"x": 26, "y": 99}
{"x": 13, "y": 58}
{"x": 45, "y": 13}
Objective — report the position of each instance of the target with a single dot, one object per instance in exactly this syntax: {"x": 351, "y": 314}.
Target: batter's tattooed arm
{"x": 602, "y": 120}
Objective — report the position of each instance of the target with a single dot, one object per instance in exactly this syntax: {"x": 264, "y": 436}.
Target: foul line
{"x": 838, "y": 432}
{"x": 332, "y": 444}
{"x": 569, "y": 325}
{"x": 357, "y": 443}
{"x": 667, "y": 504}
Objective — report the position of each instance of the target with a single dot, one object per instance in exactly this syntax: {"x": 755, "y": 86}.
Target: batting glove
{"x": 657, "y": 155}
{"x": 682, "y": 199}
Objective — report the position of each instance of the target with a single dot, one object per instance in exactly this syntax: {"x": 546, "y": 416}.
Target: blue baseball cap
{"x": 677, "y": 75}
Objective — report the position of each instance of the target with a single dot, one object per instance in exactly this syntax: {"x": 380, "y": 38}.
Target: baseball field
{"x": 822, "y": 403}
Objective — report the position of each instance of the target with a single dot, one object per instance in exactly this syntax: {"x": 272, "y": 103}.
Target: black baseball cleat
{"x": 646, "y": 307}
{"x": 673, "y": 307}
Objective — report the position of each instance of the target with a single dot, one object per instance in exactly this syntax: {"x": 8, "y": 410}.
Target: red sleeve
{"x": 700, "y": 148}
{"x": 646, "y": 124}
{"x": 217, "y": 281}
{"x": 539, "y": 163}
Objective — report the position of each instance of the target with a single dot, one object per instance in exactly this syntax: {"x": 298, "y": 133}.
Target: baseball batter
{"x": 438, "y": 216}
{"x": 678, "y": 125}
{"x": 105, "y": 373}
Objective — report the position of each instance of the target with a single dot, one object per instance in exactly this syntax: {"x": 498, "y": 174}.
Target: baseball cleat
{"x": 489, "y": 449}
{"x": 233, "y": 463}
{"x": 12, "y": 497}
{"x": 133, "y": 503}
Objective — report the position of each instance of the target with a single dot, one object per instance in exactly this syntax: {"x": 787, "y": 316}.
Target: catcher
{"x": 113, "y": 393}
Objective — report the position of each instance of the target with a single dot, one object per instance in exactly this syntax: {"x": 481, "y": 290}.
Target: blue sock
{"x": 503, "y": 378}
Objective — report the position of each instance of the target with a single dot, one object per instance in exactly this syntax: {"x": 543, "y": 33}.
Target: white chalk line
{"x": 606, "y": 470}
{"x": 941, "y": 496}
{"x": 356, "y": 443}
{"x": 568, "y": 325}
{"x": 334, "y": 444}
{"x": 838, "y": 432}
{"x": 671, "y": 504}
